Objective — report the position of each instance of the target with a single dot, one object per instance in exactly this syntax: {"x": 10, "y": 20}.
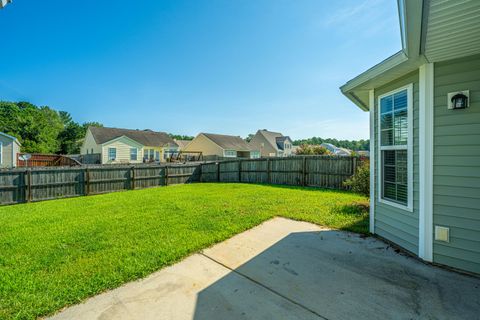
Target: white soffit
{"x": 453, "y": 29}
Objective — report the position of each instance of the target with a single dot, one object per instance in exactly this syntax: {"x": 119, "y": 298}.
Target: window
{"x": 395, "y": 156}
{"x": 230, "y": 153}
{"x": 151, "y": 154}
{"x": 157, "y": 155}
{"x": 133, "y": 154}
{"x": 112, "y": 153}
{"x": 255, "y": 154}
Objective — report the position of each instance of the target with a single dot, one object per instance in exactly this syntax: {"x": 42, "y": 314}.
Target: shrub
{"x": 306, "y": 149}
{"x": 360, "y": 181}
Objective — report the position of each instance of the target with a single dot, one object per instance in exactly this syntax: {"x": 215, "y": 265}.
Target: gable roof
{"x": 424, "y": 40}
{"x": 144, "y": 137}
{"x": 275, "y": 139}
{"x": 227, "y": 142}
{"x": 11, "y": 137}
{"x": 182, "y": 143}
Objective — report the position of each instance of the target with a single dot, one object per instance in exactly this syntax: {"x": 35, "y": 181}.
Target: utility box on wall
{"x": 442, "y": 234}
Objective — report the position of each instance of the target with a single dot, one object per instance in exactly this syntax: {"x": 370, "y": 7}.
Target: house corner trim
{"x": 426, "y": 110}
{"x": 371, "y": 99}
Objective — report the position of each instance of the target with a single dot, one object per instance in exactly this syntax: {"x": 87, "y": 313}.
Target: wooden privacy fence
{"x": 36, "y": 184}
{"x": 312, "y": 171}
{"x": 46, "y": 160}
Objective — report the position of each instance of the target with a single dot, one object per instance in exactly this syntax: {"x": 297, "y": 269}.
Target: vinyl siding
{"x": 394, "y": 224}
{"x": 89, "y": 143}
{"x": 123, "y": 146}
{"x": 156, "y": 149}
{"x": 456, "y": 165}
{"x": 9, "y": 156}
{"x": 202, "y": 144}
{"x": 256, "y": 144}
{"x": 7, "y": 145}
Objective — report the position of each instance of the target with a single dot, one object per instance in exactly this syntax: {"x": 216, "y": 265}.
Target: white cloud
{"x": 346, "y": 14}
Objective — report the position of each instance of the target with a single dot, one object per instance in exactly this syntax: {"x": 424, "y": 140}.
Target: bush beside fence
{"x": 37, "y": 184}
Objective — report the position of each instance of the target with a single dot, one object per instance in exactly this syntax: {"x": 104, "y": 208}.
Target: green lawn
{"x": 57, "y": 253}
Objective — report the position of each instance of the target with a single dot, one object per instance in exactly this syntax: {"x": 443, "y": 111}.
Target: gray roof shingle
{"x": 145, "y": 137}
{"x": 276, "y": 139}
{"x": 228, "y": 142}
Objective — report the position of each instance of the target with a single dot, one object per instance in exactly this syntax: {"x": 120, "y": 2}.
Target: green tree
{"x": 309, "y": 150}
{"x": 42, "y": 129}
{"x": 180, "y": 137}
{"x": 249, "y": 137}
{"x": 355, "y": 145}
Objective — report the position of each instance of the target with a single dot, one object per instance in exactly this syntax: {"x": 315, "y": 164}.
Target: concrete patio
{"x": 285, "y": 269}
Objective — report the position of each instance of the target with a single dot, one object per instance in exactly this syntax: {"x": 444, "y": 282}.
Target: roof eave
{"x": 11, "y": 137}
{"x": 410, "y": 15}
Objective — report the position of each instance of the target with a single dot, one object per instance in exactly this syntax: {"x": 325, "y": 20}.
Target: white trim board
{"x": 371, "y": 96}
{"x": 409, "y": 206}
{"x": 425, "y": 221}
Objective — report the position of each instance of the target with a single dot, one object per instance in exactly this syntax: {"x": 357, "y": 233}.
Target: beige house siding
{"x": 9, "y": 152}
{"x": 146, "y": 152}
{"x": 90, "y": 144}
{"x": 204, "y": 145}
{"x": 123, "y": 146}
{"x": 259, "y": 142}
{"x": 398, "y": 225}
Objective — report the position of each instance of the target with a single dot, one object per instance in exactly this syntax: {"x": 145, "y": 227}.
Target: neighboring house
{"x": 336, "y": 150}
{"x": 271, "y": 144}
{"x": 9, "y": 147}
{"x": 182, "y": 144}
{"x": 424, "y": 104}
{"x": 128, "y": 146}
{"x": 221, "y": 145}
{"x": 3, "y": 3}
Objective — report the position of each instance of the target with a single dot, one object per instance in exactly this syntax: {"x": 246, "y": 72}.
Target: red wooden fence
{"x": 46, "y": 160}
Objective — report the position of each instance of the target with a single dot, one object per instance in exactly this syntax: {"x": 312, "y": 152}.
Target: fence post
{"x": 354, "y": 165}
{"x": 218, "y": 171}
{"x": 132, "y": 177}
{"x": 87, "y": 181}
{"x": 239, "y": 170}
{"x": 268, "y": 170}
{"x": 166, "y": 176}
{"x": 304, "y": 169}
{"x": 29, "y": 185}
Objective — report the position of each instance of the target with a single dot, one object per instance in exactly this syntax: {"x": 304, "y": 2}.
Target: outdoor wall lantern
{"x": 458, "y": 100}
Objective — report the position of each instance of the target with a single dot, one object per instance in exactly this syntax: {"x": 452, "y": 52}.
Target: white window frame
{"x": 233, "y": 155}
{"x": 409, "y": 148}
{"x": 136, "y": 154}
{"x": 108, "y": 150}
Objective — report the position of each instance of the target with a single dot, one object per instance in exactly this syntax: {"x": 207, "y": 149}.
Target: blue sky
{"x": 221, "y": 66}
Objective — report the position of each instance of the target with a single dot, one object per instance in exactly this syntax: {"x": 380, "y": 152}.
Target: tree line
{"x": 355, "y": 145}
{"x": 42, "y": 129}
